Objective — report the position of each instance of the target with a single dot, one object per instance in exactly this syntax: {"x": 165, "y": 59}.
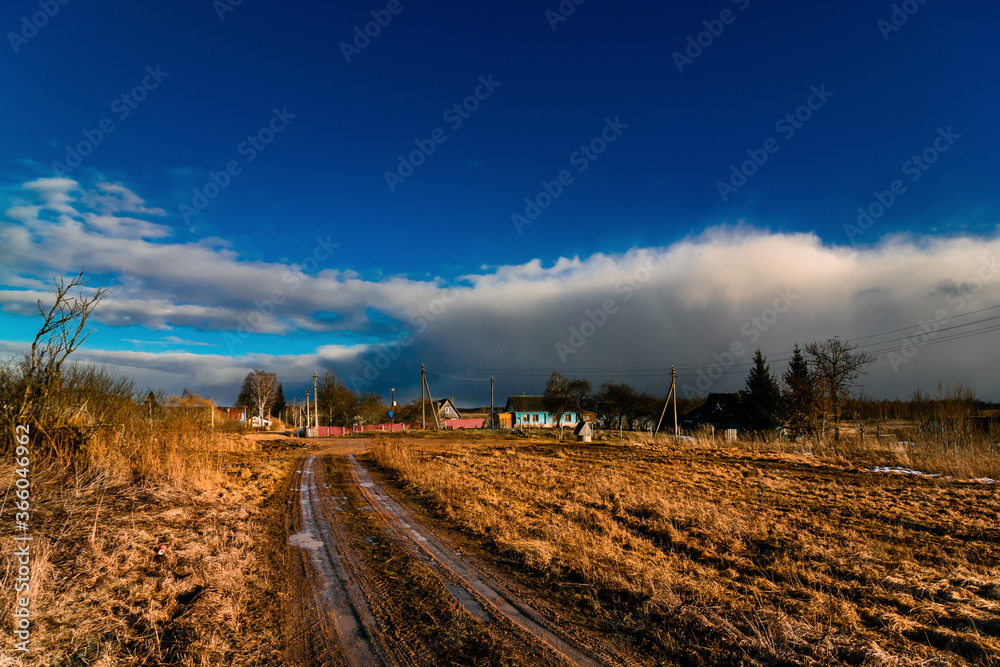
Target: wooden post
{"x": 673, "y": 389}
{"x": 316, "y": 403}
{"x": 672, "y": 392}
{"x": 430, "y": 399}
{"x": 492, "y": 424}
{"x": 423, "y": 383}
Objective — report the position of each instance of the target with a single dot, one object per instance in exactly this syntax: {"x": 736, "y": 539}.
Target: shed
{"x": 584, "y": 431}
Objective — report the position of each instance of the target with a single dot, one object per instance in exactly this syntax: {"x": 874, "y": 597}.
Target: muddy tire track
{"x": 348, "y": 601}
{"x": 480, "y": 595}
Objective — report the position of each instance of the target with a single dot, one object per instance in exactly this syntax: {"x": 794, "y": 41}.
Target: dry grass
{"x": 100, "y": 594}
{"x": 737, "y": 555}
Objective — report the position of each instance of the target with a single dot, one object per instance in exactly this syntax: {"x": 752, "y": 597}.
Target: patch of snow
{"x": 904, "y": 471}
{"x": 907, "y": 471}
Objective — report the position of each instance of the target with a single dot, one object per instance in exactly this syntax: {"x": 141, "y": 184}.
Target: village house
{"x": 234, "y": 414}
{"x": 719, "y": 412}
{"x": 446, "y": 409}
{"x": 532, "y": 412}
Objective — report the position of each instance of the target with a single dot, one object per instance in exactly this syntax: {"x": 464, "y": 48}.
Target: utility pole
{"x": 673, "y": 392}
{"x": 430, "y": 399}
{"x": 308, "y": 417}
{"x": 316, "y": 402}
{"x": 392, "y": 408}
{"x": 423, "y": 383}
{"x": 673, "y": 388}
{"x": 492, "y": 424}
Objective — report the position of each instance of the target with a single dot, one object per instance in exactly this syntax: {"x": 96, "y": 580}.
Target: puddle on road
{"x": 347, "y": 623}
{"x": 304, "y": 540}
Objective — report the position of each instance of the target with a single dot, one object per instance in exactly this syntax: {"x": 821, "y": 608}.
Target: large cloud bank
{"x": 703, "y": 304}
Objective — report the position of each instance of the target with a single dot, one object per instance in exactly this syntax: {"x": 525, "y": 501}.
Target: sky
{"x": 505, "y": 189}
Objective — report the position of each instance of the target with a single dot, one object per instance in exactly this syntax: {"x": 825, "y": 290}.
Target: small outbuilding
{"x": 584, "y": 431}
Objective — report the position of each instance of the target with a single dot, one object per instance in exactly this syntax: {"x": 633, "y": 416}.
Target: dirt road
{"x": 385, "y": 589}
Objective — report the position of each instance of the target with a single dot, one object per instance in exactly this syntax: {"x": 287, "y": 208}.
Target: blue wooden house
{"x": 532, "y": 412}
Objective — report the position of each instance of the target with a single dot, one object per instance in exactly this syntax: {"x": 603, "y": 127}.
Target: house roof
{"x": 716, "y": 408}
{"x": 445, "y": 402}
{"x": 526, "y": 404}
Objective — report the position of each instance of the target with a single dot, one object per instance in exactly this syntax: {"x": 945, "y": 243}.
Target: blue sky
{"x": 597, "y": 100}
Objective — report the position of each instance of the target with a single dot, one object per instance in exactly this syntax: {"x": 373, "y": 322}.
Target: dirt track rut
{"x": 486, "y": 601}
{"x": 354, "y": 619}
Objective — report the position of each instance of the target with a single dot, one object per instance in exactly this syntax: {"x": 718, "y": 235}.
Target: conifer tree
{"x": 799, "y": 396}
{"x": 763, "y": 403}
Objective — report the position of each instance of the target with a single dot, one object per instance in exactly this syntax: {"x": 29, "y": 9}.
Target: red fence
{"x": 463, "y": 423}
{"x": 326, "y": 431}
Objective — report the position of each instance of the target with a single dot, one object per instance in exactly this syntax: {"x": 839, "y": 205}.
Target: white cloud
{"x": 699, "y": 298}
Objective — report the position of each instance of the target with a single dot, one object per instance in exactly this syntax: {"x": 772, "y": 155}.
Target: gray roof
{"x": 527, "y": 404}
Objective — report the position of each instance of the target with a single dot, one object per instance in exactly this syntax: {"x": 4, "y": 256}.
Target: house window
{"x": 567, "y": 418}
{"x": 447, "y": 410}
{"x": 534, "y": 418}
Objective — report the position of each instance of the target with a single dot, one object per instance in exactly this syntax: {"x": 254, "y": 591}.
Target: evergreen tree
{"x": 279, "y": 402}
{"x": 799, "y": 396}
{"x": 764, "y": 410}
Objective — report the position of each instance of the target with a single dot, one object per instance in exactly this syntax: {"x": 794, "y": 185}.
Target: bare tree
{"x": 259, "y": 391}
{"x": 371, "y": 408}
{"x": 836, "y": 365}
{"x": 337, "y": 403}
{"x": 558, "y": 398}
{"x": 623, "y": 403}
{"x": 63, "y": 330}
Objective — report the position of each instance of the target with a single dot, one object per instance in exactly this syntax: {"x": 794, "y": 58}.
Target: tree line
{"x": 816, "y": 394}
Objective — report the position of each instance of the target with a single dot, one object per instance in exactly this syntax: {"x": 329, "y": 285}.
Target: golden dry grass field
{"x": 709, "y": 555}
{"x": 101, "y": 594}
